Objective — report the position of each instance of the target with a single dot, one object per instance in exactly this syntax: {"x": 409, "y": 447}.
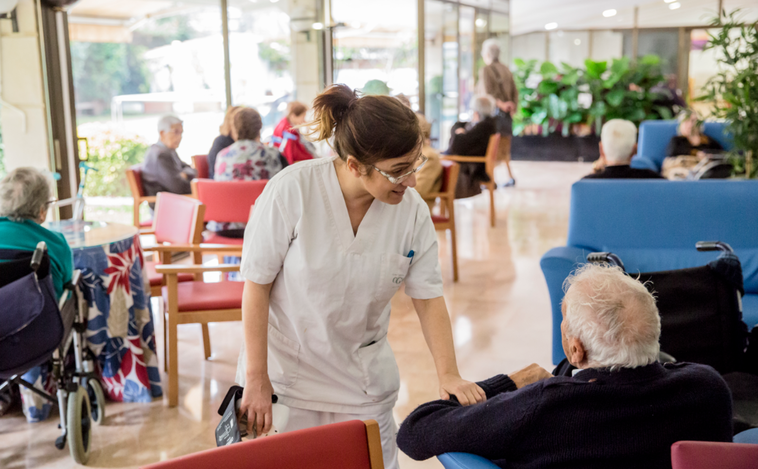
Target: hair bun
{"x": 330, "y": 108}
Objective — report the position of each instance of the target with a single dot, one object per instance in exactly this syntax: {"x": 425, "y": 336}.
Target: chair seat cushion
{"x": 156, "y": 278}
{"x": 201, "y": 296}
{"x": 439, "y": 219}
{"x": 145, "y": 223}
{"x": 214, "y": 238}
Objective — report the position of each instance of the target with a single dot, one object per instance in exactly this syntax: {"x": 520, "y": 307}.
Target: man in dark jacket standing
{"x": 620, "y": 409}
{"x": 162, "y": 170}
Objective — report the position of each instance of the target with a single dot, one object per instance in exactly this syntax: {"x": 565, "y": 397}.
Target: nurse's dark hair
{"x": 370, "y": 128}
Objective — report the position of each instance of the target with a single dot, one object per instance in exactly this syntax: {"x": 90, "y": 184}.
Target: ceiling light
{"x": 318, "y": 26}
{"x": 481, "y": 22}
{"x": 274, "y": 1}
{"x": 669, "y": 1}
{"x": 675, "y": 6}
{"x": 577, "y": 42}
{"x": 609, "y": 13}
{"x": 551, "y": 26}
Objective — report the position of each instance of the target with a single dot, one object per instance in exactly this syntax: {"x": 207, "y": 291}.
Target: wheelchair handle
{"x": 605, "y": 257}
{"x": 37, "y": 256}
{"x": 713, "y": 246}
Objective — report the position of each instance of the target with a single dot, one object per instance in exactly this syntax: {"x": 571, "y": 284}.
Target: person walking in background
{"x": 496, "y": 80}
{"x": 223, "y": 140}
{"x": 288, "y": 139}
{"x": 162, "y": 170}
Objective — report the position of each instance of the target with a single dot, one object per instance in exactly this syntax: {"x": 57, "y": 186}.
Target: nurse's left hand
{"x": 466, "y": 392}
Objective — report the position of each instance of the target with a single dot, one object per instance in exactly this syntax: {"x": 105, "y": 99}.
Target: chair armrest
{"x": 217, "y": 248}
{"x": 465, "y": 159}
{"x": 556, "y": 266}
{"x": 643, "y": 162}
{"x": 148, "y": 198}
{"x": 174, "y": 269}
{"x": 465, "y": 461}
{"x": 146, "y": 231}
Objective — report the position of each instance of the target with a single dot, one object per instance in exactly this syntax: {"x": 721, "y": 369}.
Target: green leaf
{"x": 650, "y": 59}
{"x": 595, "y": 69}
{"x": 615, "y": 97}
{"x": 519, "y": 63}
{"x": 539, "y": 117}
{"x": 664, "y": 112}
{"x": 547, "y": 87}
{"x": 574, "y": 118}
{"x": 548, "y": 70}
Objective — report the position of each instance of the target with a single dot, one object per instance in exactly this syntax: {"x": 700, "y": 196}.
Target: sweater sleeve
{"x": 486, "y": 429}
{"x": 168, "y": 176}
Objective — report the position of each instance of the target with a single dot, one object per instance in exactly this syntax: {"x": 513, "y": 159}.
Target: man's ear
{"x": 634, "y": 150}
{"x": 602, "y": 153}
{"x": 576, "y": 352}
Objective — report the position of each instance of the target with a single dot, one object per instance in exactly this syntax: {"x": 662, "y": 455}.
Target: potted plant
{"x": 733, "y": 90}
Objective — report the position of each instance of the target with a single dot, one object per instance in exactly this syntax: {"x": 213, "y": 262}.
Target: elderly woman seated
{"x": 25, "y": 196}
{"x": 691, "y": 141}
{"x": 471, "y": 139}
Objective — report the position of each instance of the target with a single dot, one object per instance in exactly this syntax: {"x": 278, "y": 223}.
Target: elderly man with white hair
{"x": 621, "y": 408}
{"x": 162, "y": 170}
{"x": 471, "y": 139}
{"x": 618, "y": 143}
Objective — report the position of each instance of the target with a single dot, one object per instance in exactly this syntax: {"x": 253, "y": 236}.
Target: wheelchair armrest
{"x": 75, "y": 278}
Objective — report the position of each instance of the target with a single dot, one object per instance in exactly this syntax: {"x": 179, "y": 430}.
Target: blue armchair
{"x": 656, "y": 135}
{"x": 465, "y": 461}
{"x": 653, "y": 225}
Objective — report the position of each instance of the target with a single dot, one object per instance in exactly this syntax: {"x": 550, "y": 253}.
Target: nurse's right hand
{"x": 256, "y": 402}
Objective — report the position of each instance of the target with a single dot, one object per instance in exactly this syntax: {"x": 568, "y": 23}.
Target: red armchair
{"x": 711, "y": 455}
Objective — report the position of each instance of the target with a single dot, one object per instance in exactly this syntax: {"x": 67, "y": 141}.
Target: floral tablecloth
{"x": 120, "y": 328}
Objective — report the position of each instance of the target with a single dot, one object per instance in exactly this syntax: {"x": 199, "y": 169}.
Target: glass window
{"x": 572, "y": 47}
{"x": 450, "y": 66}
{"x": 433, "y": 68}
{"x": 466, "y": 80}
{"x": 2, "y": 153}
{"x": 259, "y": 52}
{"x": 500, "y": 28}
{"x": 663, "y": 43}
{"x": 376, "y": 41}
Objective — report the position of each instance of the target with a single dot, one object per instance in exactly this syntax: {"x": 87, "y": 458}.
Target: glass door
{"x": 449, "y": 73}
{"x": 433, "y": 43}
{"x": 466, "y": 52}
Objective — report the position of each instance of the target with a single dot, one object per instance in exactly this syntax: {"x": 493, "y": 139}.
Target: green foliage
{"x": 111, "y": 155}
{"x": 733, "y": 90}
{"x": 104, "y": 70}
{"x": 619, "y": 91}
{"x": 276, "y": 54}
{"x": 375, "y": 88}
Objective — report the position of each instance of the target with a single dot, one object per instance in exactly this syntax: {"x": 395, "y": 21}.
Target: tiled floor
{"x": 499, "y": 309}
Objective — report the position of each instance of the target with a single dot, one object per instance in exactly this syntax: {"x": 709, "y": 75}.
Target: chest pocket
{"x": 394, "y": 268}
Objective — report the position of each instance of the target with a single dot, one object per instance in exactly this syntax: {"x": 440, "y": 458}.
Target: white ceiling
{"x": 532, "y": 15}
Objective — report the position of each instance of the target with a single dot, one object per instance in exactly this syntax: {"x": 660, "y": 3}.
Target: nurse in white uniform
{"x": 329, "y": 243}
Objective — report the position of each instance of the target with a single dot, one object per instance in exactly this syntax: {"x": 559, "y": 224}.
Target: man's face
{"x": 173, "y": 137}
{"x": 564, "y": 339}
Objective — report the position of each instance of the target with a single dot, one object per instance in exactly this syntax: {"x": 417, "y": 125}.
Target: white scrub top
{"x": 330, "y": 300}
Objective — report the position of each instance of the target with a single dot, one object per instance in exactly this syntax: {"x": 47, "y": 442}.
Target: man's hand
{"x": 184, "y": 176}
{"x": 530, "y": 374}
{"x": 460, "y": 130}
{"x": 468, "y": 393}
{"x": 256, "y": 403}
{"x": 507, "y": 106}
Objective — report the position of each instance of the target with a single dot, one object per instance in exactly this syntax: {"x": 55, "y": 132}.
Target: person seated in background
{"x": 162, "y": 170}
{"x": 618, "y": 143}
{"x": 621, "y": 409}
{"x": 247, "y": 159}
{"x": 472, "y": 139}
{"x": 691, "y": 141}
{"x": 288, "y": 139}
{"x": 223, "y": 140}
{"x": 429, "y": 177}
{"x": 25, "y": 197}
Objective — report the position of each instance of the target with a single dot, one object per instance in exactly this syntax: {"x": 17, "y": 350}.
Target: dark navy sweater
{"x": 627, "y": 418}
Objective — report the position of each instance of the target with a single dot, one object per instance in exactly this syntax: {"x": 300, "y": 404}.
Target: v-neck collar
{"x": 337, "y": 208}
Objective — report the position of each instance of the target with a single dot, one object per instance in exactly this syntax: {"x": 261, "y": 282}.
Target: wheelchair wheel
{"x": 96, "y": 401}
{"x": 79, "y": 425}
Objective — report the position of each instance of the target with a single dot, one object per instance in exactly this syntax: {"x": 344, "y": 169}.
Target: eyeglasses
{"x": 51, "y": 201}
{"x": 403, "y": 177}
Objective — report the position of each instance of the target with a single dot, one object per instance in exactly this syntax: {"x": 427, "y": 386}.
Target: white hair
{"x": 491, "y": 49}
{"x": 483, "y": 105}
{"x": 618, "y": 137}
{"x": 24, "y": 192}
{"x": 166, "y": 122}
{"x": 613, "y": 315}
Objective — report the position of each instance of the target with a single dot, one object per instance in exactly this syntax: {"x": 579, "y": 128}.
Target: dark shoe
{"x": 510, "y": 183}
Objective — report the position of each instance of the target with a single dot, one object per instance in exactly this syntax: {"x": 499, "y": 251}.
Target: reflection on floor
{"x": 499, "y": 309}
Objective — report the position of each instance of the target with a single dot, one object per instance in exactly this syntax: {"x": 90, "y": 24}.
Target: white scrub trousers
{"x": 300, "y": 419}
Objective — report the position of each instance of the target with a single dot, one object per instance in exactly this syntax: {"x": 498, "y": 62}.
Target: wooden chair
{"x": 446, "y": 219}
{"x": 490, "y": 161}
{"x": 200, "y": 163}
{"x": 226, "y": 202}
{"x": 346, "y": 445}
{"x": 195, "y": 302}
{"x": 134, "y": 177}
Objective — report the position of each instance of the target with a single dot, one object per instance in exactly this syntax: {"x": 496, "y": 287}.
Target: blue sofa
{"x": 656, "y": 135}
{"x": 653, "y": 225}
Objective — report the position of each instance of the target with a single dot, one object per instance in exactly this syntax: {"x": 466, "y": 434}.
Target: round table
{"x": 120, "y": 328}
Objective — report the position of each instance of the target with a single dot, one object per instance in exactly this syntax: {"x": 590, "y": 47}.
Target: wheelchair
{"x": 36, "y": 329}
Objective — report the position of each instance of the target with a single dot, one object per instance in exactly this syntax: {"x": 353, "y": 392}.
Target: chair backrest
{"x": 346, "y": 445}
{"x": 655, "y": 136}
{"x": 707, "y": 455}
{"x": 134, "y": 177}
{"x": 200, "y": 162}
{"x": 178, "y": 219}
{"x": 450, "y": 170}
{"x": 493, "y": 147}
{"x": 227, "y": 201}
